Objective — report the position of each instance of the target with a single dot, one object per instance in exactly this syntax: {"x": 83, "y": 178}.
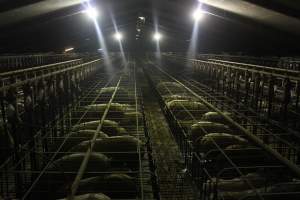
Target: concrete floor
{"x": 172, "y": 183}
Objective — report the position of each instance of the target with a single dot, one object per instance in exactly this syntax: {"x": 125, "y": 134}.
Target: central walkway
{"x": 172, "y": 183}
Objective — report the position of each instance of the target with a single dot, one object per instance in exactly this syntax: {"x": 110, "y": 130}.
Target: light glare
{"x": 157, "y": 36}
{"x": 142, "y": 18}
{"x": 91, "y": 12}
{"x": 198, "y": 14}
{"x": 69, "y": 49}
{"x": 118, "y": 36}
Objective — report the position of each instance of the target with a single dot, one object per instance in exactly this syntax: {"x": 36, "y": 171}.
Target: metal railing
{"x": 271, "y": 91}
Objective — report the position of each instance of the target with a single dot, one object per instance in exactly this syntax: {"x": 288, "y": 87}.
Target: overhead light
{"x": 138, "y": 30}
{"x": 92, "y": 12}
{"x": 157, "y": 36}
{"x": 118, "y": 36}
{"x": 69, "y": 49}
{"x": 198, "y": 14}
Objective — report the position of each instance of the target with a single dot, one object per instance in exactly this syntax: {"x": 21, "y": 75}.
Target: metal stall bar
{"x": 38, "y": 68}
{"x": 11, "y": 62}
{"x": 20, "y": 83}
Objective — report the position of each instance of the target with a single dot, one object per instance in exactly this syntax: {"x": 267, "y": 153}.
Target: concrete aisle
{"x": 165, "y": 150}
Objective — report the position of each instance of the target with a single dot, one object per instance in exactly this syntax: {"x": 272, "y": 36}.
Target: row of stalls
{"x": 272, "y": 92}
{"x": 228, "y": 153}
{"x": 91, "y": 143}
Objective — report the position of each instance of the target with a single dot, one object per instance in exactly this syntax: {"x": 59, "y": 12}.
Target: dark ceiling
{"x": 253, "y": 27}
